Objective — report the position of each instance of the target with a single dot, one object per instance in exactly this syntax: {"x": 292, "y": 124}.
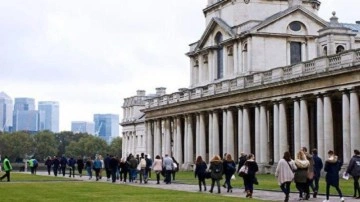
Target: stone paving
{"x": 237, "y": 192}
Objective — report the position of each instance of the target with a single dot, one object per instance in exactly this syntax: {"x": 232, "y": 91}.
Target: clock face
{"x": 246, "y": 1}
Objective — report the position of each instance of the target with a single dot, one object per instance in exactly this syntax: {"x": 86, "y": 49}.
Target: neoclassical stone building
{"x": 267, "y": 76}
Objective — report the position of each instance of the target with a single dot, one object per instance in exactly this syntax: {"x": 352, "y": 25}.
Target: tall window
{"x": 219, "y": 56}
{"x": 295, "y": 52}
{"x": 340, "y": 49}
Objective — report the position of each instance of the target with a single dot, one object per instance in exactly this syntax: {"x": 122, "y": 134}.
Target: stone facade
{"x": 264, "y": 83}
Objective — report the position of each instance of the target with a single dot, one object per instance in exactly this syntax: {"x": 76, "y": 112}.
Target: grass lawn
{"x": 268, "y": 182}
{"x": 25, "y": 187}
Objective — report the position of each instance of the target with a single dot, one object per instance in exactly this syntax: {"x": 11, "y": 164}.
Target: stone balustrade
{"x": 308, "y": 68}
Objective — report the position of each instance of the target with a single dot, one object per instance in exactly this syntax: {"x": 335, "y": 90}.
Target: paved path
{"x": 258, "y": 194}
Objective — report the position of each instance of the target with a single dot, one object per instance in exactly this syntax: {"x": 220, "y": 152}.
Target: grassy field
{"x": 25, "y": 187}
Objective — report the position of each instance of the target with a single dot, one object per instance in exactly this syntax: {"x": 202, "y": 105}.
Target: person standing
{"x": 217, "y": 169}
{"x": 200, "y": 170}
{"x": 229, "y": 169}
{"x": 168, "y": 164}
{"x": 80, "y": 165}
{"x": 332, "y": 168}
{"x": 48, "y": 164}
{"x": 157, "y": 166}
{"x": 354, "y": 170}
{"x": 318, "y": 165}
{"x": 7, "y": 169}
{"x": 300, "y": 177}
{"x": 250, "y": 177}
{"x": 285, "y": 174}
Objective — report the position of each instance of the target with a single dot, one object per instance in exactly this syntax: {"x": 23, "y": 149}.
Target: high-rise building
{"x": 6, "y": 112}
{"x": 50, "y": 110}
{"x": 83, "y": 127}
{"x": 106, "y": 126}
{"x": 24, "y": 116}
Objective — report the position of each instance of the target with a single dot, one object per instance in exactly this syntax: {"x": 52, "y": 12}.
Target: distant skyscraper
{"x": 25, "y": 115}
{"x": 6, "y": 112}
{"x": 50, "y": 110}
{"x": 83, "y": 127}
{"x": 106, "y": 126}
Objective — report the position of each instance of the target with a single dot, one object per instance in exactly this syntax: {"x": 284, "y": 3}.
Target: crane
{"x": 98, "y": 130}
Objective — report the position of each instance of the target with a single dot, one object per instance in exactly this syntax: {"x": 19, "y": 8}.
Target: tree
{"x": 116, "y": 147}
{"x": 17, "y": 145}
{"x": 46, "y": 145}
{"x": 87, "y": 146}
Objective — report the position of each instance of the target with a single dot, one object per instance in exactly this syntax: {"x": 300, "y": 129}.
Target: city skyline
{"x": 89, "y": 56}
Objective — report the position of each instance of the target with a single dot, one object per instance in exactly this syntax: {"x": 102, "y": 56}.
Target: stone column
{"x": 186, "y": 137}
{"x": 224, "y": 136}
{"x": 211, "y": 136}
{"x": 257, "y": 132}
{"x": 277, "y": 154}
{"x": 297, "y": 132}
{"x": 123, "y": 145}
{"x": 167, "y": 137}
{"x": 240, "y": 131}
{"x": 202, "y": 136}
{"x": 264, "y": 146}
{"x": 197, "y": 136}
{"x": 178, "y": 142}
{"x": 328, "y": 124}
{"x": 215, "y": 140}
{"x": 346, "y": 126}
{"x": 283, "y": 139}
{"x": 304, "y": 124}
{"x": 190, "y": 141}
{"x": 354, "y": 120}
{"x": 230, "y": 133}
{"x": 157, "y": 138}
{"x": 320, "y": 126}
{"x": 246, "y": 131}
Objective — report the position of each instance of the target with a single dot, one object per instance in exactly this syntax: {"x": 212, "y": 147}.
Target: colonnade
{"x": 326, "y": 120}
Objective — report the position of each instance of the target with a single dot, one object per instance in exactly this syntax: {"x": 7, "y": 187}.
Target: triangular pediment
{"x": 214, "y": 26}
{"x": 279, "y": 22}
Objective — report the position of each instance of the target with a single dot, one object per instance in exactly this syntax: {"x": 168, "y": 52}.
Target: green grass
{"x": 268, "y": 182}
{"x": 25, "y": 187}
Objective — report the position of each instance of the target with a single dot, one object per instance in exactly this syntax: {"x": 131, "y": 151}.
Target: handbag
{"x": 243, "y": 171}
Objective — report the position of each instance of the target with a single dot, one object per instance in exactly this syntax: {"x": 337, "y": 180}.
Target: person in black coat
{"x": 63, "y": 163}
{"x": 229, "y": 169}
{"x": 250, "y": 178}
{"x": 80, "y": 165}
{"x": 48, "y": 164}
{"x": 55, "y": 163}
{"x": 318, "y": 165}
{"x": 113, "y": 167}
{"x": 354, "y": 170}
{"x": 200, "y": 171}
{"x": 332, "y": 168}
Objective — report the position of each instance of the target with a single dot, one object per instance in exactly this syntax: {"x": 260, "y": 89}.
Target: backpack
{"x": 142, "y": 163}
{"x": 230, "y": 167}
{"x": 217, "y": 168}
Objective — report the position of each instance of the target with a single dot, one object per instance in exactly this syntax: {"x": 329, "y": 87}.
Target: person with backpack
{"x": 7, "y": 169}
{"x": 216, "y": 167}
{"x": 250, "y": 178}
{"x": 200, "y": 170}
{"x": 229, "y": 169}
{"x": 354, "y": 170}
{"x": 142, "y": 171}
{"x": 332, "y": 168}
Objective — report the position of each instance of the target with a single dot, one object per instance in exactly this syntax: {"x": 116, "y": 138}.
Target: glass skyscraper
{"x": 25, "y": 116}
{"x": 50, "y": 111}
{"x": 106, "y": 126}
{"x": 6, "y": 112}
{"x": 83, "y": 127}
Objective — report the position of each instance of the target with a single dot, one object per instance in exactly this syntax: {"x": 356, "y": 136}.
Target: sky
{"x": 89, "y": 55}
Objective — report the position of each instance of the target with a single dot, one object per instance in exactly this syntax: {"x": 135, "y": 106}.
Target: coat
{"x": 354, "y": 166}
{"x": 302, "y": 170}
{"x": 332, "y": 168}
{"x": 200, "y": 170}
{"x": 318, "y": 165}
{"x": 285, "y": 171}
{"x": 229, "y": 167}
{"x": 214, "y": 164}
{"x": 252, "y": 169}
{"x": 157, "y": 165}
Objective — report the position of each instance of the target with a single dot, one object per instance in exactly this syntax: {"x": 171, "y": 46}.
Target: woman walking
{"x": 88, "y": 167}
{"x": 80, "y": 165}
{"x": 285, "y": 174}
{"x": 300, "y": 177}
{"x": 200, "y": 171}
{"x": 332, "y": 168}
{"x": 250, "y": 178}
{"x": 229, "y": 170}
{"x": 216, "y": 167}
{"x": 157, "y": 166}
{"x": 354, "y": 170}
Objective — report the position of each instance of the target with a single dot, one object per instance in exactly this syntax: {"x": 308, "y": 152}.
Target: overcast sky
{"x": 89, "y": 55}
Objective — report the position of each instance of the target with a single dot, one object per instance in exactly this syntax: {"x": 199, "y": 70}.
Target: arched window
{"x": 219, "y": 55}
{"x": 325, "y": 51}
{"x": 245, "y": 57}
{"x": 340, "y": 49}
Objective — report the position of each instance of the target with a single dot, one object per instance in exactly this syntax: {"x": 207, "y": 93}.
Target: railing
{"x": 308, "y": 68}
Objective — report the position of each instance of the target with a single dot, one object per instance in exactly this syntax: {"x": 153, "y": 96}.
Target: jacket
{"x": 302, "y": 170}
{"x": 215, "y": 174}
{"x": 7, "y": 165}
{"x": 157, "y": 165}
{"x": 354, "y": 166}
{"x": 285, "y": 171}
{"x": 168, "y": 163}
{"x": 229, "y": 167}
{"x": 200, "y": 170}
{"x": 318, "y": 165}
{"x": 332, "y": 168}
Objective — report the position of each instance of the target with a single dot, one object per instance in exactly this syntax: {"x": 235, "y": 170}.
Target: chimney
{"x": 140, "y": 93}
{"x": 160, "y": 91}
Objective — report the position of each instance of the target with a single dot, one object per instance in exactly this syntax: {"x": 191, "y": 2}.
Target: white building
{"x": 266, "y": 77}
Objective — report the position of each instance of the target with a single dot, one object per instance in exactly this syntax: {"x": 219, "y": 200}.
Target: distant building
{"x": 6, "y": 112}
{"x": 51, "y": 113}
{"x": 25, "y": 116}
{"x": 83, "y": 127}
{"x": 106, "y": 126}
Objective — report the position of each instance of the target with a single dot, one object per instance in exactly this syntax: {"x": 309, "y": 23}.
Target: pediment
{"x": 279, "y": 23}
{"x": 215, "y": 25}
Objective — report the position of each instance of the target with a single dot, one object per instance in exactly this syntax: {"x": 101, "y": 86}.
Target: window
{"x": 295, "y": 26}
{"x": 340, "y": 49}
{"x": 295, "y": 52}
{"x": 219, "y": 56}
{"x": 325, "y": 50}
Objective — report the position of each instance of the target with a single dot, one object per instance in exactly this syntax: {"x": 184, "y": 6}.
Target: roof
{"x": 353, "y": 27}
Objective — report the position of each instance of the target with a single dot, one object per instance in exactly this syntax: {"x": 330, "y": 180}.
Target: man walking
{"x": 7, "y": 168}
{"x": 168, "y": 164}
{"x": 318, "y": 165}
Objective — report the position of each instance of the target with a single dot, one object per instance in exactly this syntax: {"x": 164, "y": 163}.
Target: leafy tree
{"x": 18, "y": 145}
{"x": 116, "y": 147}
{"x": 87, "y": 146}
{"x": 46, "y": 145}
